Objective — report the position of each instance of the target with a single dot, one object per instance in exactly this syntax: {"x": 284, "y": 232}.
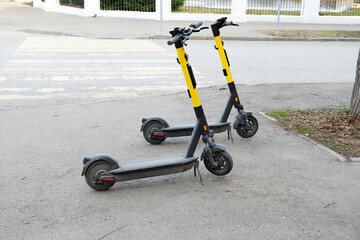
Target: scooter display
{"x": 156, "y": 130}
{"x": 102, "y": 171}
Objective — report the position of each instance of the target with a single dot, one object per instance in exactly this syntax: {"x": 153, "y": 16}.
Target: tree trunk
{"x": 355, "y": 98}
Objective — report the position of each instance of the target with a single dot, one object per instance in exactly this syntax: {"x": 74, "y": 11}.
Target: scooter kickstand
{"x": 196, "y": 169}
{"x": 230, "y": 134}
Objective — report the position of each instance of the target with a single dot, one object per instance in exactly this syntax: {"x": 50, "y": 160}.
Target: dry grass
{"x": 313, "y": 33}
{"x": 335, "y": 129}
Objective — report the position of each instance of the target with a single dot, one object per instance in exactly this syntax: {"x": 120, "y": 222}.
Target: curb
{"x": 161, "y": 36}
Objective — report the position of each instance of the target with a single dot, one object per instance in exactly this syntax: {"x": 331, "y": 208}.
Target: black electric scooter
{"x": 156, "y": 130}
{"x": 102, "y": 171}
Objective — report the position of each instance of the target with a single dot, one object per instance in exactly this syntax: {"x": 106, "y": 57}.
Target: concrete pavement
{"x": 282, "y": 186}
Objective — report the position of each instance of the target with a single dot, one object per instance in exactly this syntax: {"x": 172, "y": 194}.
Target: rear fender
{"x": 113, "y": 163}
{"x": 147, "y": 120}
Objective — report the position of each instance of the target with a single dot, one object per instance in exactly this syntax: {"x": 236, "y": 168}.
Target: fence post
{"x": 51, "y": 4}
{"x": 311, "y": 11}
{"x": 166, "y": 9}
{"x": 238, "y": 10}
{"x": 278, "y": 18}
{"x": 91, "y": 7}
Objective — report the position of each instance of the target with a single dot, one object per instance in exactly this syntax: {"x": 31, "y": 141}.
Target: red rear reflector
{"x": 159, "y": 134}
{"x": 83, "y": 161}
{"x": 108, "y": 179}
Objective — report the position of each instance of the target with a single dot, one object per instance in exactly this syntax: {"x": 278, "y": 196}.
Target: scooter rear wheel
{"x": 252, "y": 121}
{"x": 225, "y": 163}
{"x": 149, "y": 129}
{"x": 92, "y": 175}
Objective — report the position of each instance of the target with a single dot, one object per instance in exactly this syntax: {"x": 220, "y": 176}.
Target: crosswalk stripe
{"x": 69, "y": 95}
{"x": 121, "y": 70}
{"x": 14, "y": 89}
{"x": 65, "y": 44}
{"x": 102, "y": 73}
{"x": 49, "y": 90}
{"x": 82, "y": 61}
{"x": 76, "y": 49}
{"x": 70, "y": 67}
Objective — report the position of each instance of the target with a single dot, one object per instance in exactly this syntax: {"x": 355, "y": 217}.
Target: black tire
{"x": 149, "y": 129}
{"x": 252, "y": 121}
{"x": 92, "y": 173}
{"x": 225, "y": 163}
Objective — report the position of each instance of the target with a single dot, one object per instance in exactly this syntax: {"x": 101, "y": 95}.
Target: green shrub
{"x": 73, "y": 3}
{"x": 176, "y": 5}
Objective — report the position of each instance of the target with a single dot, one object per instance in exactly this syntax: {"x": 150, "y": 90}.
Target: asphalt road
{"x": 36, "y": 67}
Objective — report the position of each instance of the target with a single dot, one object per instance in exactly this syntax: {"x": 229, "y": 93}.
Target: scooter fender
{"x": 147, "y": 120}
{"x": 218, "y": 148}
{"x": 215, "y": 148}
{"x": 238, "y": 119}
{"x": 114, "y": 164}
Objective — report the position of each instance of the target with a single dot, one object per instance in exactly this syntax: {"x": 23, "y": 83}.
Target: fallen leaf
{"x": 328, "y": 205}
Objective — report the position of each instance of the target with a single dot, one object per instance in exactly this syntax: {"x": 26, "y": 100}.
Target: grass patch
{"x": 186, "y": 9}
{"x": 313, "y": 33}
{"x": 273, "y": 12}
{"x": 354, "y": 12}
{"x": 280, "y": 115}
{"x": 335, "y": 129}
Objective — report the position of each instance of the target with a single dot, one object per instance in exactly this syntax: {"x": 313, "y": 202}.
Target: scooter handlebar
{"x": 183, "y": 34}
{"x": 174, "y": 40}
{"x": 230, "y": 24}
{"x": 196, "y": 25}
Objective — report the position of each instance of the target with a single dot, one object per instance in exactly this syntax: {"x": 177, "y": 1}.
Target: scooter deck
{"x": 155, "y": 167}
{"x": 186, "y": 130}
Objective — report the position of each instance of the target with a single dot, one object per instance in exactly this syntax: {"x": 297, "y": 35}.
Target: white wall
{"x": 310, "y": 13}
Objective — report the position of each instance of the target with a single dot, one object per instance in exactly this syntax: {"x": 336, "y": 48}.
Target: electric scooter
{"x": 156, "y": 130}
{"x": 102, "y": 171}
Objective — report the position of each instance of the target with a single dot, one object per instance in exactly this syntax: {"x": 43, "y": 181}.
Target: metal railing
{"x": 202, "y": 6}
{"x": 340, "y": 8}
{"x": 270, "y": 7}
{"x": 72, "y": 3}
{"x": 128, "y": 5}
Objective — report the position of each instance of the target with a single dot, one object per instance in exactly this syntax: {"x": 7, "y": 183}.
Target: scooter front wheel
{"x": 148, "y": 131}
{"x": 254, "y": 125}
{"x": 92, "y": 174}
{"x": 224, "y": 163}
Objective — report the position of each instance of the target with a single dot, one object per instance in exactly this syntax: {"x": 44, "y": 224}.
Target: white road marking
{"x": 14, "y": 89}
{"x": 81, "y": 61}
{"x": 31, "y": 79}
{"x": 49, "y": 90}
{"x": 67, "y": 67}
{"x": 64, "y": 44}
{"x": 60, "y": 78}
{"x": 69, "y": 95}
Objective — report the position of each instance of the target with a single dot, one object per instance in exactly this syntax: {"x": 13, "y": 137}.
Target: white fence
{"x": 309, "y": 13}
